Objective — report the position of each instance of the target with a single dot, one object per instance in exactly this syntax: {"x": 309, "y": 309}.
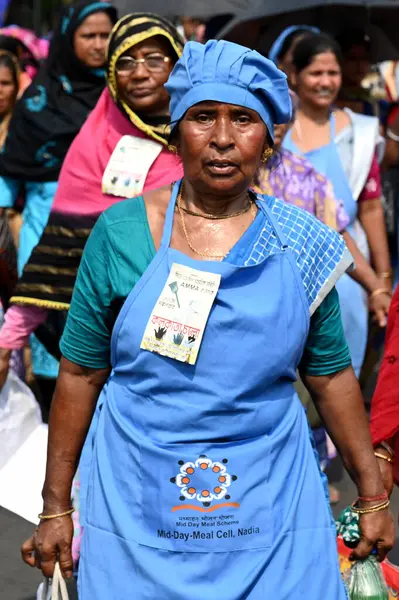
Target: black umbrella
{"x": 265, "y": 21}
{"x": 204, "y": 9}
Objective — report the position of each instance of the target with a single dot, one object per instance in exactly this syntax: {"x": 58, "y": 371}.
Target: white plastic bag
{"x": 55, "y": 588}
{"x": 19, "y": 416}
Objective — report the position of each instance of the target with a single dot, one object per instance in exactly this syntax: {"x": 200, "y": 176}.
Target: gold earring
{"x": 172, "y": 148}
{"x": 266, "y": 155}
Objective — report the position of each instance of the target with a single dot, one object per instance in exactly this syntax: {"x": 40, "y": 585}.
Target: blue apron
{"x": 202, "y": 477}
{"x": 354, "y": 309}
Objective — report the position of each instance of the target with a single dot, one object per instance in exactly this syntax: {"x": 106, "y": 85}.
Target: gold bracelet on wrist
{"x": 372, "y": 509}
{"x": 386, "y": 447}
{"x": 63, "y": 514}
{"x": 387, "y": 458}
{"x": 385, "y": 275}
{"x": 378, "y": 292}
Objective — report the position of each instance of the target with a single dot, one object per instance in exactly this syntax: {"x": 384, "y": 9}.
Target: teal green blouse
{"x": 111, "y": 266}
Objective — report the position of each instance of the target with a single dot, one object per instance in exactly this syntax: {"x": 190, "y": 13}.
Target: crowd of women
{"x": 190, "y": 233}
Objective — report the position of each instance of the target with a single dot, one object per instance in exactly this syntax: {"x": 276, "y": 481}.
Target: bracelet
{"x": 383, "y": 496}
{"x": 387, "y": 458}
{"x": 378, "y": 292}
{"x": 387, "y": 447}
{"x": 385, "y": 275}
{"x": 392, "y": 135}
{"x": 64, "y": 514}
{"x": 372, "y": 509}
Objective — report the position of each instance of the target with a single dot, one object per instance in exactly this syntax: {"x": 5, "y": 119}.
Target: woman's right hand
{"x": 51, "y": 542}
{"x": 5, "y": 356}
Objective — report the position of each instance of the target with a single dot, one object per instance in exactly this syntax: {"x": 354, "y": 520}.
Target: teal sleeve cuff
{"x": 326, "y": 351}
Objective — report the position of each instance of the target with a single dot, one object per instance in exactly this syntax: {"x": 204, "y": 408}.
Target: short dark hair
{"x": 311, "y": 46}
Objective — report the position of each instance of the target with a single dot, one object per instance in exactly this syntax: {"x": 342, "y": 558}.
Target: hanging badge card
{"x": 179, "y": 318}
{"x": 128, "y": 166}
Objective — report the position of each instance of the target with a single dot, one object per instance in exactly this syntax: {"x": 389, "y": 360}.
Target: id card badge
{"x": 178, "y": 320}
{"x": 128, "y": 166}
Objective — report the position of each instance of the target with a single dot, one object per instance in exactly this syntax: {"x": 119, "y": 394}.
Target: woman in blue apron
{"x": 199, "y": 476}
{"x": 317, "y": 78}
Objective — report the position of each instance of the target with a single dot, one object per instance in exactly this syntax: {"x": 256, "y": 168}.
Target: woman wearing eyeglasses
{"x": 120, "y": 152}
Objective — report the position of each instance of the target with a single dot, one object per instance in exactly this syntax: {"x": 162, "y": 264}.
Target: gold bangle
{"x": 64, "y": 514}
{"x": 372, "y": 509}
{"x": 387, "y": 447}
{"x": 386, "y": 275}
{"x": 378, "y": 292}
{"x": 387, "y": 458}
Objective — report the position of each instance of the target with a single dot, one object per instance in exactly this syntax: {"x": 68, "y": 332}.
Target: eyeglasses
{"x": 153, "y": 63}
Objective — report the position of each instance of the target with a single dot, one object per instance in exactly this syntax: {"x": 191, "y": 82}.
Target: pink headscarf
{"x": 36, "y": 47}
{"x": 80, "y": 183}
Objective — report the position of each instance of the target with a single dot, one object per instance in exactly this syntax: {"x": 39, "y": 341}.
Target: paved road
{"x": 19, "y": 582}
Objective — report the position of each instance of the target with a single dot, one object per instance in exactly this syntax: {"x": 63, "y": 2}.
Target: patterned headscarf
{"x": 33, "y": 50}
{"x": 127, "y": 33}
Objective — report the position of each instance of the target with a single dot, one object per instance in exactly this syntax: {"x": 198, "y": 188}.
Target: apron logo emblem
{"x": 204, "y": 481}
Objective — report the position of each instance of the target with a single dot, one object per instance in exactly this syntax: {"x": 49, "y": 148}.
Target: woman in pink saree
{"x": 120, "y": 152}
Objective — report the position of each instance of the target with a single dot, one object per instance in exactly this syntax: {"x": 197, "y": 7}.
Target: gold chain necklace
{"x": 216, "y": 217}
{"x": 203, "y": 254}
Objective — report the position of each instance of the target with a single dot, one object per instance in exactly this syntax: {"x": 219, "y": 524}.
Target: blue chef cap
{"x": 226, "y": 72}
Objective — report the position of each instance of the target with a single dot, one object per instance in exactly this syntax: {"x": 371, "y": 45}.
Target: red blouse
{"x": 372, "y": 189}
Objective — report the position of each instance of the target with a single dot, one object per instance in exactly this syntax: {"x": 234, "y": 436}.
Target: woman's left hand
{"x": 377, "y": 530}
{"x": 379, "y": 305}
